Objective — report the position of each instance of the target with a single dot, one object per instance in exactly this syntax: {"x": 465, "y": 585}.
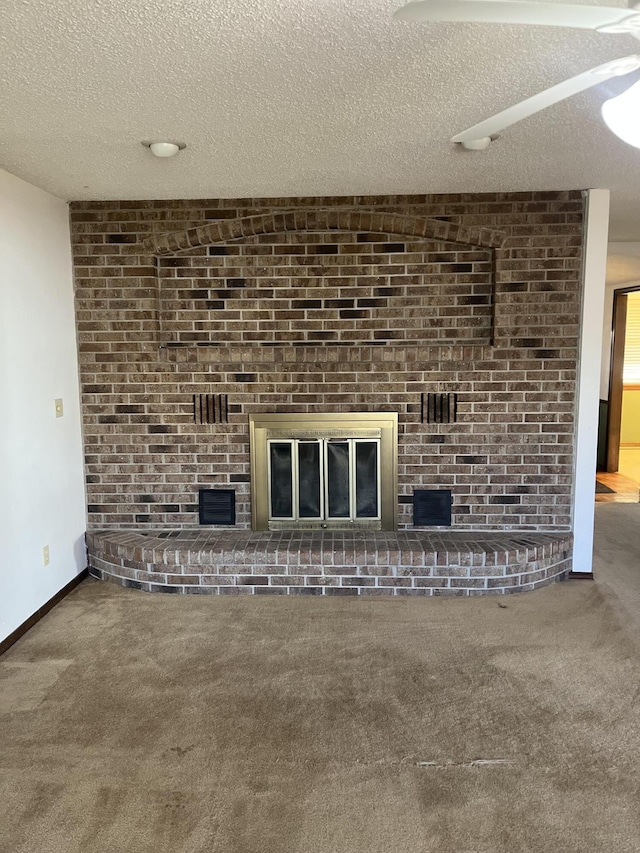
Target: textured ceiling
{"x": 295, "y": 97}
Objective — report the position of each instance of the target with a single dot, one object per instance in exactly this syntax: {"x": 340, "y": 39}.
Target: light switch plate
{"x": 59, "y": 407}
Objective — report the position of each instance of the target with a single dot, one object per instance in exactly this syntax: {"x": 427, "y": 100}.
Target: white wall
{"x": 593, "y": 291}
{"x": 42, "y": 498}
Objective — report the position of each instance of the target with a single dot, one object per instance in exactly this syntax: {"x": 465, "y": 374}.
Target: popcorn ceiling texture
{"x": 274, "y": 97}
{"x": 327, "y": 319}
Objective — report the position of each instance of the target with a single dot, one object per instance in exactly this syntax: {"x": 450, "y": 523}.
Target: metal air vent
{"x": 439, "y": 408}
{"x": 432, "y": 507}
{"x": 217, "y": 506}
{"x": 210, "y": 408}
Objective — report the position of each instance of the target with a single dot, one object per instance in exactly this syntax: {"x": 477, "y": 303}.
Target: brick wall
{"x": 310, "y": 317}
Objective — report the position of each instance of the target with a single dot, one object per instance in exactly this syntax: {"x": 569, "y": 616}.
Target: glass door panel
{"x": 337, "y": 485}
{"x": 309, "y": 480}
{"x": 281, "y": 479}
{"x": 366, "y": 464}
{"x": 324, "y": 479}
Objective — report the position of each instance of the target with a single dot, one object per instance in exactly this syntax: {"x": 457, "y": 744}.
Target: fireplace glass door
{"x": 324, "y": 470}
{"x": 324, "y": 480}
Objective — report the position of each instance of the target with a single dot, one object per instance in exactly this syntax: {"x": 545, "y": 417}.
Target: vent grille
{"x": 432, "y": 507}
{"x": 217, "y": 506}
{"x": 210, "y": 409}
{"x": 439, "y": 408}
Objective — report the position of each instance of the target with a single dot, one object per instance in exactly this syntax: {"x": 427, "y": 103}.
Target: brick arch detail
{"x": 363, "y": 220}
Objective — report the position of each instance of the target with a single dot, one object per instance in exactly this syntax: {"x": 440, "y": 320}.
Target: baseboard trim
{"x": 21, "y": 630}
{"x": 580, "y": 576}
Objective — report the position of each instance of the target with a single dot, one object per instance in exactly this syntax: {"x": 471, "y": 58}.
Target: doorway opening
{"x": 621, "y": 451}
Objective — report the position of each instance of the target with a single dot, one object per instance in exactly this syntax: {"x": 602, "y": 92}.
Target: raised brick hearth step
{"x": 329, "y": 562}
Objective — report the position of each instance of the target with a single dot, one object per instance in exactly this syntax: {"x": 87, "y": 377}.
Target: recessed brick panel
{"x": 280, "y": 288}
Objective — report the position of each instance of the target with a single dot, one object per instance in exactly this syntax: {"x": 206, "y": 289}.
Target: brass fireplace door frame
{"x": 382, "y": 425}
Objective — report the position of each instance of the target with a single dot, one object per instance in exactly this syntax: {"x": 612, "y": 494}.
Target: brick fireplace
{"x": 458, "y": 313}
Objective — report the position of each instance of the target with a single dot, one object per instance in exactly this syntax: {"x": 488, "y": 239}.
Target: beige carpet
{"x": 163, "y": 724}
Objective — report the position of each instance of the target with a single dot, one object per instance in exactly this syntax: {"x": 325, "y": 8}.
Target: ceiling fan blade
{"x": 479, "y": 136}
{"x": 521, "y": 12}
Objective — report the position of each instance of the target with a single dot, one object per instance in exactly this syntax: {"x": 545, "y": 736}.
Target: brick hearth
{"x": 337, "y": 563}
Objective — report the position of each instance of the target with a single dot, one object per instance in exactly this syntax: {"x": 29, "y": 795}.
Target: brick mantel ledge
{"x": 224, "y": 561}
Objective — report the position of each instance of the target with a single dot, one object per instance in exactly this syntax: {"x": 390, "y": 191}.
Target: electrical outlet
{"x": 45, "y": 555}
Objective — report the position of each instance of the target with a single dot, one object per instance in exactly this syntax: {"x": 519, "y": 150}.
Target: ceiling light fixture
{"x": 479, "y": 144}
{"x": 164, "y": 149}
{"x": 622, "y": 115}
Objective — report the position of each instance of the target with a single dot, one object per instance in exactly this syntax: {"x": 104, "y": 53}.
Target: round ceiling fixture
{"x": 620, "y": 114}
{"x": 164, "y": 149}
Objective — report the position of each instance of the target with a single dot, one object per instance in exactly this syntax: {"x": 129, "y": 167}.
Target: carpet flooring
{"x": 185, "y": 724}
